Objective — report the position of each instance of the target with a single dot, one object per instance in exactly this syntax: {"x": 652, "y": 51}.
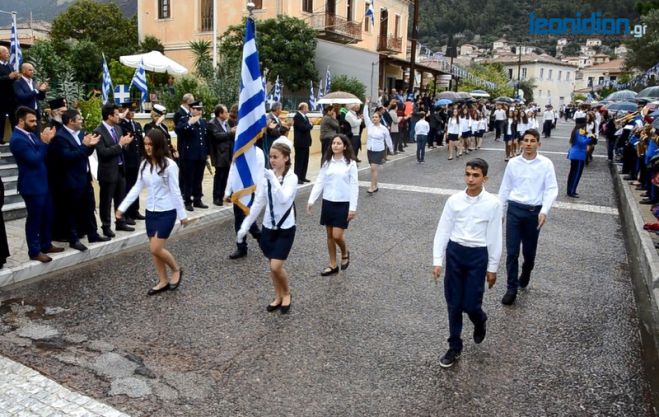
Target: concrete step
{"x": 12, "y": 196}
{"x": 8, "y": 170}
{"x": 5, "y": 148}
{"x": 10, "y": 182}
{"x": 14, "y": 211}
{"x": 7, "y": 157}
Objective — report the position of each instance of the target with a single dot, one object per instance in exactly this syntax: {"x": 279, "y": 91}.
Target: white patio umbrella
{"x": 340, "y": 97}
{"x": 154, "y": 61}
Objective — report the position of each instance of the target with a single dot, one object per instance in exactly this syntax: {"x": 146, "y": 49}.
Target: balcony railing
{"x": 390, "y": 45}
{"x": 336, "y": 28}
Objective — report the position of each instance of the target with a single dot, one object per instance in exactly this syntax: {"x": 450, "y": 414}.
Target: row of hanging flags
{"x": 275, "y": 91}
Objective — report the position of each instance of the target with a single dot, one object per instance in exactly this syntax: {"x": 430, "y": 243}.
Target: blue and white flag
{"x": 139, "y": 81}
{"x": 370, "y": 12}
{"x": 15, "y": 54}
{"x": 247, "y": 166}
{"x": 107, "y": 82}
{"x": 319, "y": 107}
{"x": 276, "y": 96}
{"x": 328, "y": 81}
{"x": 312, "y": 98}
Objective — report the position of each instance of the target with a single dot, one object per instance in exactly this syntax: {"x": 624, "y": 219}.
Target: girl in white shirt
{"x": 276, "y": 193}
{"x": 337, "y": 181}
{"x": 465, "y": 131}
{"x": 378, "y": 137}
{"x": 453, "y": 133}
{"x": 159, "y": 175}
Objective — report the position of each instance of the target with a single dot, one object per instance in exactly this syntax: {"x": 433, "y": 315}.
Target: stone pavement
{"x": 364, "y": 342}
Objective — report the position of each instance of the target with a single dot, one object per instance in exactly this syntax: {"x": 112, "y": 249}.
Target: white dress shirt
{"x": 283, "y": 196}
{"x": 579, "y": 114}
{"x": 548, "y": 115}
{"x": 474, "y": 222}
{"x": 453, "y": 126}
{"x": 531, "y": 182}
{"x": 354, "y": 121}
{"x": 421, "y": 127}
{"x": 163, "y": 191}
{"x": 378, "y": 136}
{"x": 337, "y": 180}
{"x": 465, "y": 124}
{"x": 499, "y": 114}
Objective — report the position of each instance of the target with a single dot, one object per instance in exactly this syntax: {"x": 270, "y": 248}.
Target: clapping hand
{"x": 91, "y": 139}
{"x": 126, "y": 139}
{"x": 48, "y": 134}
{"x": 160, "y": 120}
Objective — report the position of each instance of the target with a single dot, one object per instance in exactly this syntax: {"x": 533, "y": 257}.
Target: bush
{"x": 90, "y": 110}
{"x": 349, "y": 85}
{"x": 188, "y": 84}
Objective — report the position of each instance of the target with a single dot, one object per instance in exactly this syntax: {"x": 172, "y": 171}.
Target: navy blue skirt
{"x": 276, "y": 244}
{"x": 335, "y": 213}
{"x": 160, "y": 223}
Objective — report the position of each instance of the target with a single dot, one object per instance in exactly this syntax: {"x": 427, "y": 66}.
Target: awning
{"x": 154, "y": 61}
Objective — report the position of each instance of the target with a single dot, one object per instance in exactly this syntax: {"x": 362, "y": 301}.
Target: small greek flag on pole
{"x": 370, "y": 12}
{"x": 320, "y": 95}
{"x": 328, "y": 81}
{"x": 139, "y": 81}
{"x": 15, "y": 54}
{"x": 312, "y": 98}
{"x": 107, "y": 82}
{"x": 247, "y": 167}
{"x": 277, "y": 94}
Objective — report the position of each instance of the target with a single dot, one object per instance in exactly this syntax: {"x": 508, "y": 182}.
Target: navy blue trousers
{"x": 39, "y": 223}
{"x": 464, "y": 285}
{"x": 521, "y": 229}
{"x": 576, "y": 169}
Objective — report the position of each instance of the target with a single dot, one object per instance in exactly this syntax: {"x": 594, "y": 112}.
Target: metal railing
{"x": 390, "y": 43}
{"x": 331, "y": 23}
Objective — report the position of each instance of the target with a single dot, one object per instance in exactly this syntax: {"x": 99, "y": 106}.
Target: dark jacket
{"x": 6, "y": 89}
{"x": 329, "y": 127}
{"x": 133, "y": 152}
{"x": 192, "y": 142}
{"x": 30, "y": 154}
{"x": 69, "y": 161}
{"x": 109, "y": 154}
{"x": 302, "y": 131}
{"x": 24, "y": 96}
{"x": 163, "y": 129}
{"x": 220, "y": 142}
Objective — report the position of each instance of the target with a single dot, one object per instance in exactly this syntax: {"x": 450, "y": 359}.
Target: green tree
{"x": 349, "y": 85}
{"x": 47, "y": 62}
{"x": 644, "y": 51}
{"x": 572, "y": 49}
{"x": 120, "y": 73}
{"x": 151, "y": 43}
{"x": 488, "y": 72}
{"x": 203, "y": 61}
{"x": 286, "y": 46}
{"x": 86, "y": 61}
{"x": 100, "y": 23}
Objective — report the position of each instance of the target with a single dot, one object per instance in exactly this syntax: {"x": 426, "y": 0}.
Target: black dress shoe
{"x": 138, "y": 216}
{"x": 524, "y": 279}
{"x": 573, "y": 195}
{"x": 479, "y": 333}
{"x": 189, "y": 207}
{"x": 270, "y": 308}
{"x": 300, "y": 182}
{"x": 646, "y": 201}
{"x": 180, "y": 277}
{"x": 306, "y": 180}
{"x": 108, "y": 232}
{"x": 124, "y": 228}
{"x": 284, "y": 309}
{"x": 345, "y": 265}
{"x": 628, "y": 178}
{"x": 98, "y": 238}
{"x": 509, "y": 298}
{"x": 238, "y": 254}
{"x": 78, "y": 246}
{"x": 153, "y": 291}
{"x": 130, "y": 221}
{"x": 330, "y": 271}
{"x": 218, "y": 202}
{"x": 200, "y": 204}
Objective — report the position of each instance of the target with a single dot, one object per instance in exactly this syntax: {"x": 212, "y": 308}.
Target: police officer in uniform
{"x": 132, "y": 157}
{"x": 193, "y": 150}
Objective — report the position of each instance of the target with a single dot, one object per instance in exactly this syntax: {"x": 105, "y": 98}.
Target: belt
{"x": 524, "y": 206}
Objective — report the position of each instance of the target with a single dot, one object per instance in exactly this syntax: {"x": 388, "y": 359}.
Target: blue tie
{"x": 116, "y": 140}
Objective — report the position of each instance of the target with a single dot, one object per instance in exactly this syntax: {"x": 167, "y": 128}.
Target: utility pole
{"x": 214, "y": 36}
{"x": 519, "y": 69}
{"x": 415, "y": 22}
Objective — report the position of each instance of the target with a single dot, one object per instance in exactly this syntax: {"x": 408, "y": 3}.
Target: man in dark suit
{"x": 181, "y": 112}
{"x": 193, "y": 151}
{"x": 68, "y": 162}
{"x": 132, "y": 158}
{"x": 220, "y": 140}
{"x": 272, "y": 132}
{"x": 56, "y": 107}
{"x": 30, "y": 153}
{"x": 302, "y": 142}
{"x": 7, "y": 102}
{"x": 111, "y": 170}
{"x": 28, "y": 92}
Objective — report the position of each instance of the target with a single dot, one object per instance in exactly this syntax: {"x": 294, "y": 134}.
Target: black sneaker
{"x": 449, "y": 358}
{"x": 524, "y": 278}
{"x": 509, "y": 298}
{"x": 479, "y": 333}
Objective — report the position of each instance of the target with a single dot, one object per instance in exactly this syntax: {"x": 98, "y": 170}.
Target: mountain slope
{"x": 48, "y": 9}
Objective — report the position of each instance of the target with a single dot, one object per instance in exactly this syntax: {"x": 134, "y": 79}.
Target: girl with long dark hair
{"x": 164, "y": 204}
{"x": 579, "y": 141}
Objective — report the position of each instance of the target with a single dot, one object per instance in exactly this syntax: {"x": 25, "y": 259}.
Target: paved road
{"x": 366, "y": 342}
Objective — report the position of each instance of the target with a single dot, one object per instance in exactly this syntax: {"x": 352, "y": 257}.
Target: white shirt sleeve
{"x": 442, "y": 235}
{"x": 506, "y": 186}
{"x": 175, "y": 191}
{"x": 260, "y": 200}
{"x": 494, "y": 239}
{"x": 286, "y": 191}
{"x": 387, "y": 139}
{"x": 551, "y": 189}
{"x": 133, "y": 194}
{"x": 354, "y": 186}
{"x": 367, "y": 117}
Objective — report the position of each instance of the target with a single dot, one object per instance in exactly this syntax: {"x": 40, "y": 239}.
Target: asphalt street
{"x": 365, "y": 342}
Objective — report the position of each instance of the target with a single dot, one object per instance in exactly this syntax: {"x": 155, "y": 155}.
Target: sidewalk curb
{"x": 644, "y": 267}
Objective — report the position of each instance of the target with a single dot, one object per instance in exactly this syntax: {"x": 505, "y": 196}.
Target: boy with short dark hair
{"x": 468, "y": 242}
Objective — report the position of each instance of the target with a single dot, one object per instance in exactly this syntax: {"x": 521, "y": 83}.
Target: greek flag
{"x": 107, "y": 82}
{"x": 277, "y": 93}
{"x": 320, "y": 95}
{"x": 139, "y": 81}
{"x": 328, "y": 81}
{"x": 15, "y": 54}
{"x": 312, "y": 98}
{"x": 370, "y": 12}
{"x": 251, "y": 125}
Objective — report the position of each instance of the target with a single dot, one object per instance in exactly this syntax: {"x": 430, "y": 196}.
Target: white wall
{"x": 353, "y": 62}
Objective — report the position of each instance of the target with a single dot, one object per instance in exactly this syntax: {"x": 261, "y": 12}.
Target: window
{"x": 559, "y": 75}
{"x": 258, "y": 4}
{"x": 367, "y": 19}
{"x": 549, "y": 74}
{"x": 542, "y": 73}
{"x": 590, "y": 81}
{"x": 510, "y": 73}
{"x": 307, "y": 6}
{"x": 349, "y": 9}
{"x": 397, "y": 27}
{"x": 523, "y": 73}
{"x": 600, "y": 81}
{"x": 206, "y": 15}
{"x": 164, "y": 11}
{"x": 567, "y": 75}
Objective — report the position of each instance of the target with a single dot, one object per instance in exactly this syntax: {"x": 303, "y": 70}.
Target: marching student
{"x": 522, "y": 125}
{"x": 580, "y": 139}
{"x": 276, "y": 194}
{"x": 337, "y": 181}
{"x": 468, "y": 243}
{"x": 481, "y": 126}
{"x": 377, "y": 140}
{"x": 164, "y": 204}
{"x": 510, "y": 129}
{"x": 421, "y": 130}
{"x": 453, "y": 133}
{"x": 465, "y": 131}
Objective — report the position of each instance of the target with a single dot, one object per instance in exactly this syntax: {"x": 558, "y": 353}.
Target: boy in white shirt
{"x": 421, "y": 130}
{"x": 468, "y": 241}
